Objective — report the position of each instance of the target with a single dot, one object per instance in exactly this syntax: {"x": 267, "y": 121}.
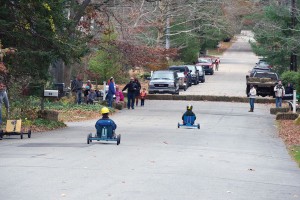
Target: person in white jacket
{"x": 252, "y": 96}
{"x": 279, "y": 93}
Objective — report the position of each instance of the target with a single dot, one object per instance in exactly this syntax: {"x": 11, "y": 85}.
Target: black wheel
{"x": 198, "y": 126}
{"x": 118, "y": 139}
{"x": 21, "y": 135}
{"x": 88, "y": 138}
{"x": 184, "y": 89}
{"x": 29, "y": 134}
{"x": 1, "y": 134}
{"x": 178, "y": 125}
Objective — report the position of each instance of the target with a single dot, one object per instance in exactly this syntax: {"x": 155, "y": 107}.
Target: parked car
{"x": 261, "y": 66}
{"x": 194, "y": 74}
{"x": 207, "y": 63}
{"x": 164, "y": 81}
{"x": 182, "y": 81}
{"x": 201, "y": 73}
{"x": 186, "y": 72}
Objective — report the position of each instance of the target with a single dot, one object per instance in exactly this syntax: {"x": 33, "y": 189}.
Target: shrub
{"x": 291, "y": 77}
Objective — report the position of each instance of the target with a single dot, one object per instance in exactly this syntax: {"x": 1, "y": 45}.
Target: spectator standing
{"x": 279, "y": 93}
{"x": 111, "y": 91}
{"x": 217, "y": 61}
{"x": 289, "y": 89}
{"x": 3, "y": 99}
{"x": 73, "y": 86}
{"x": 137, "y": 92}
{"x": 87, "y": 88}
{"x": 131, "y": 90}
{"x": 252, "y": 96}
{"x": 143, "y": 96}
{"x": 78, "y": 89}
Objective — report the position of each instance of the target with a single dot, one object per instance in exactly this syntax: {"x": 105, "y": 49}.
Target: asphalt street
{"x": 235, "y": 155}
{"x": 230, "y": 79}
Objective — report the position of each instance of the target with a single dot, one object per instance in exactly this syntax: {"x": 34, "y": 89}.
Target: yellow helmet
{"x": 104, "y": 110}
{"x": 189, "y": 107}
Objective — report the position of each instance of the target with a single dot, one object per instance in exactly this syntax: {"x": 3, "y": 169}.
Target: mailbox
{"x": 50, "y": 93}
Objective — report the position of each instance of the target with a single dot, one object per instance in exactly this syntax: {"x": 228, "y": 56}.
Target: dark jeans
{"x": 130, "y": 100}
{"x": 78, "y": 96}
{"x": 278, "y": 102}
{"x": 142, "y": 102}
{"x": 110, "y": 98}
{"x": 252, "y": 100}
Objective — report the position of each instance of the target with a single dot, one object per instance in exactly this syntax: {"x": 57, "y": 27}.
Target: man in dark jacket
{"x": 131, "y": 90}
{"x": 188, "y": 112}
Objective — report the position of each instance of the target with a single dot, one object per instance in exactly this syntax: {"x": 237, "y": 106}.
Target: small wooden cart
{"x": 14, "y": 127}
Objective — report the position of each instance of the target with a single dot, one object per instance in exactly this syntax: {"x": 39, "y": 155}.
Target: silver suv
{"x": 164, "y": 82}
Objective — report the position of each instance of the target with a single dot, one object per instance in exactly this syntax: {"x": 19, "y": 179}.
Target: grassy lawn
{"x": 295, "y": 152}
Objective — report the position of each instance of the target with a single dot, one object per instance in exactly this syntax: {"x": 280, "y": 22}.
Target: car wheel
{"x": 184, "y": 89}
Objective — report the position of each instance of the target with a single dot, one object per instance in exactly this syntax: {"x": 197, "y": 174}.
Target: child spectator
{"x": 143, "y": 96}
{"x": 119, "y": 95}
{"x": 87, "y": 88}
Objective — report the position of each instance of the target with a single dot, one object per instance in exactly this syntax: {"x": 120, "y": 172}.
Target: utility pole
{"x": 168, "y": 27}
{"x": 293, "y": 65}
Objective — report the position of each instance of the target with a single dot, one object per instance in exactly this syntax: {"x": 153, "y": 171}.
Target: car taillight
{"x": 270, "y": 66}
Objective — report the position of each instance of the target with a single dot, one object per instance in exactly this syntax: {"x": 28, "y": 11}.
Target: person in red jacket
{"x": 143, "y": 95}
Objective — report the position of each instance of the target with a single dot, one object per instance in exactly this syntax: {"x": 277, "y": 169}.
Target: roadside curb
{"x": 208, "y": 98}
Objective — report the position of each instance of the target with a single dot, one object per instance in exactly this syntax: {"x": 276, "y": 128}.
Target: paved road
{"x": 235, "y": 155}
{"x": 230, "y": 80}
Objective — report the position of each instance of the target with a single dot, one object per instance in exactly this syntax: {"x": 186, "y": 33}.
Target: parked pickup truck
{"x": 264, "y": 82}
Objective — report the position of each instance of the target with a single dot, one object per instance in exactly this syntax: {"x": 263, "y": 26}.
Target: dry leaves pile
{"x": 78, "y": 115}
{"x": 289, "y": 132}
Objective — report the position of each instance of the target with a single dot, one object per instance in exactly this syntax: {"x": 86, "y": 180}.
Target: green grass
{"x": 48, "y": 124}
{"x": 295, "y": 152}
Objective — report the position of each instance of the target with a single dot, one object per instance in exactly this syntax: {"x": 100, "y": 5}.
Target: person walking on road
{"x": 252, "y": 96}
{"x": 279, "y": 93}
{"x": 131, "y": 90}
{"x": 143, "y": 96}
{"x": 137, "y": 92}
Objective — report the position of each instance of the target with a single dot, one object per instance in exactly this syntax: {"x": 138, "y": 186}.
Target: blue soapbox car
{"x": 105, "y": 133}
{"x": 189, "y": 122}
